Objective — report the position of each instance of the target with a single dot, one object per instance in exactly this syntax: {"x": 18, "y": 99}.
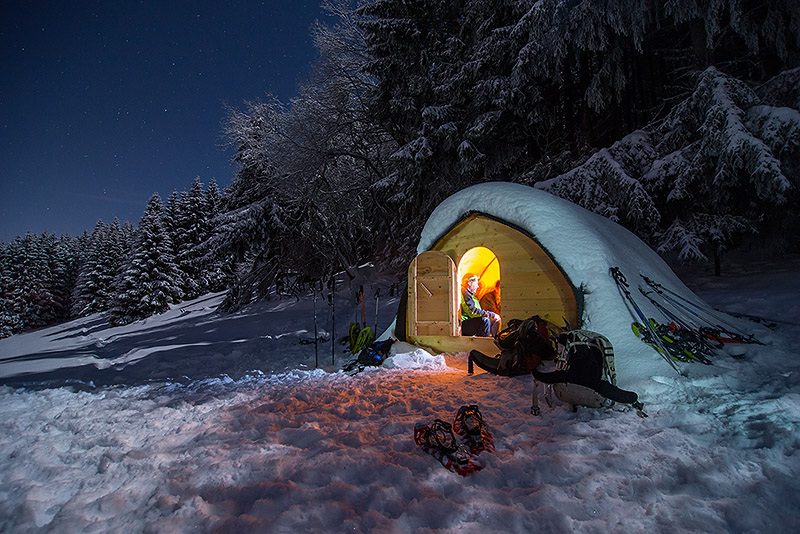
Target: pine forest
{"x": 679, "y": 120}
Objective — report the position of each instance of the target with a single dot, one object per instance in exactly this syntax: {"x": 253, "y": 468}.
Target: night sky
{"x": 104, "y": 103}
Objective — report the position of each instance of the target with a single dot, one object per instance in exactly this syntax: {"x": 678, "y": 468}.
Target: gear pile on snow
{"x": 580, "y": 373}
{"x": 372, "y": 355}
{"x": 438, "y": 440}
{"x": 359, "y": 338}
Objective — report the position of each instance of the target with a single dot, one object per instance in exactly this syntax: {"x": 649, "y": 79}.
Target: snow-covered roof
{"x": 585, "y": 245}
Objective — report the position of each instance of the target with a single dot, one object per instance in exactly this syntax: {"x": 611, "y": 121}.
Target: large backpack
{"x": 587, "y": 358}
{"x": 520, "y": 340}
{"x": 587, "y": 347}
{"x": 523, "y": 331}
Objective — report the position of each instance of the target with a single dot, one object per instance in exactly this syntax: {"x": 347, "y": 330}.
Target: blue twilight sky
{"x": 103, "y": 103}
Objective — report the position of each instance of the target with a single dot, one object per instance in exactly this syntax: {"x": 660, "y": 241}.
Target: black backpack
{"x": 372, "y": 355}
{"x": 586, "y": 363}
{"x": 520, "y": 340}
{"x": 588, "y": 357}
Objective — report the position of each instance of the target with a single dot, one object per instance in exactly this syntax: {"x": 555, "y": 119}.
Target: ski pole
{"x": 377, "y": 301}
{"x": 622, "y": 286}
{"x": 673, "y": 296}
{"x": 766, "y": 321}
{"x": 363, "y": 310}
{"x": 698, "y": 339}
{"x": 333, "y": 324}
{"x": 333, "y": 319}
{"x": 316, "y": 337}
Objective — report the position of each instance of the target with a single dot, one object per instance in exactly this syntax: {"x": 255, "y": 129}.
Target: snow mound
{"x": 405, "y": 356}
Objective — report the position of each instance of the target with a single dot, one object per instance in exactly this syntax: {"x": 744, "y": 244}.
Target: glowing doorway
{"x": 482, "y": 262}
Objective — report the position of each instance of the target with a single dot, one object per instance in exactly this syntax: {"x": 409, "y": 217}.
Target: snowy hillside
{"x": 209, "y": 422}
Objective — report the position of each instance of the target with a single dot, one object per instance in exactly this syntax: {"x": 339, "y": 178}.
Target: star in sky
{"x": 128, "y": 98}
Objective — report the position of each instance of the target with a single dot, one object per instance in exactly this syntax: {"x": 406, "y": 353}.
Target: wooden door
{"x": 433, "y": 304}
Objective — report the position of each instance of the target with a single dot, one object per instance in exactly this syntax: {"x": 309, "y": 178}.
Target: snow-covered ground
{"x": 204, "y": 422}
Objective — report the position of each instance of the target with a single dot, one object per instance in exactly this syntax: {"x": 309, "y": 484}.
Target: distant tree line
{"x": 130, "y": 271}
{"x": 679, "y": 120}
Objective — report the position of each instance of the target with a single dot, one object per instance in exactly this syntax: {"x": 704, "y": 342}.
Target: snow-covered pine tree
{"x": 128, "y": 234}
{"x": 777, "y": 123}
{"x": 171, "y": 217}
{"x": 85, "y": 292}
{"x": 190, "y": 229}
{"x": 609, "y": 183}
{"x": 61, "y": 265}
{"x": 212, "y": 200}
{"x": 718, "y": 166}
{"x": 32, "y": 300}
{"x": 216, "y": 270}
{"x": 731, "y": 174}
{"x": 82, "y": 255}
{"x": 71, "y": 247}
{"x": 116, "y": 246}
{"x": 104, "y": 254}
{"x": 782, "y": 90}
{"x": 10, "y": 322}
{"x": 148, "y": 280}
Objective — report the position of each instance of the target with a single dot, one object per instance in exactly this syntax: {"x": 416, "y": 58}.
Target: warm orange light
{"x": 483, "y": 262}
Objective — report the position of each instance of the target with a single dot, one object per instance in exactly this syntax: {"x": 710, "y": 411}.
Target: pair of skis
{"x": 681, "y": 344}
{"x": 643, "y": 328}
{"x": 716, "y": 327}
{"x": 438, "y": 440}
{"x": 678, "y": 340}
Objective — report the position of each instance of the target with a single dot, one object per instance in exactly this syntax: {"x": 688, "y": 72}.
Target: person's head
{"x": 471, "y": 282}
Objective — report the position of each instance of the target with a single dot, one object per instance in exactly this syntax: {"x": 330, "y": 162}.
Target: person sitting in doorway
{"x": 491, "y": 300}
{"x": 475, "y": 321}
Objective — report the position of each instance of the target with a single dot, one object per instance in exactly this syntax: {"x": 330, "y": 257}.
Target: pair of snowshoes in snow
{"x": 469, "y": 424}
{"x": 438, "y": 440}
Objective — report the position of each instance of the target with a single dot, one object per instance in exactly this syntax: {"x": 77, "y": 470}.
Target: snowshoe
{"x": 469, "y": 425}
{"x": 438, "y": 441}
